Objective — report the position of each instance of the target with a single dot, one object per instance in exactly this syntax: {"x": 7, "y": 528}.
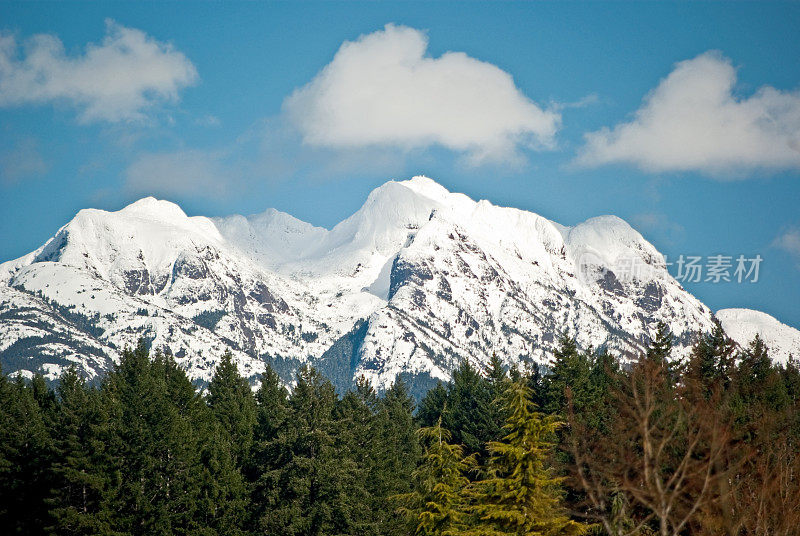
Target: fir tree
{"x": 521, "y": 495}
{"x": 432, "y": 405}
{"x": 232, "y": 403}
{"x": 660, "y": 347}
{"x": 80, "y": 472}
{"x": 395, "y": 452}
{"x": 156, "y": 474}
{"x": 437, "y": 505}
{"x": 307, "y": 485}
{"x": 272, "y": 413}
{"x": 711, "y": 361}
{"x": 25, "y": 458}
{"x": 570, "y": 375}
{"x": 467, "y": 409}
{"x": 271, "y": 406}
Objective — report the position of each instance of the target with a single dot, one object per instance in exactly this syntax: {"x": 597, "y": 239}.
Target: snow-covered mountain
{"x": 416, "y": 280}
{"x": 742, "y": 325}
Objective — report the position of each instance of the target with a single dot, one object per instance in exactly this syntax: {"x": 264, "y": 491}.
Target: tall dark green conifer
{"x": 711, "y": 361}
{"x": 232, "y": 403}
{"x": 467, "y": 409}
{"x": 432, "y": 405}
{"x": 25, "y": 458}
{"x": 82, "y": 466}
{"x": 395, "y": 452}
{"x": 308, "y": 482}
{"x": 571, "y": 372}
{"x": 156, "y": 474}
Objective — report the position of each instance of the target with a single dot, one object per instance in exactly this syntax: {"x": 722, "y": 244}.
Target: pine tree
{"x": 156, "y": 473}
{"x": 437, "y": 505}
{"x": 711, "y": 361}
{"x": 495, "y": 373}
{"x": 604, "y": 379}
{"x": 660, "y": 347}
{"x": 271, "y": 418}
{"x": 25, "y": 459}
{"x": 570, "y": 375}
{"x": 232, "y": 403}
{"x": 432, "y": 405}
{"x": 81, "y": 467}
{"x": 521, "y": 495}
{"x": 467, "y": 409}
{"x": 395, "y": 452}
{"x": 271, "y": 403}
{"x": 308, "y": 483}
{"x": 358, "y": 442}
{"x": 222, "y": 502}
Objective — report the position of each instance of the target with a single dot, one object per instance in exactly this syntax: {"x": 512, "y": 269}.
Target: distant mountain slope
{"x": 416, "y": 280}
{"x": 742, "y": 325}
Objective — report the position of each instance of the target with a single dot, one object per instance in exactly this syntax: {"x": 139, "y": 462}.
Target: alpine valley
{"x": 415, "y": 281}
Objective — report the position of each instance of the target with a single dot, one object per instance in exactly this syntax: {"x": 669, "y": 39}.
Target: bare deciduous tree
{"x": 664, "y": 462}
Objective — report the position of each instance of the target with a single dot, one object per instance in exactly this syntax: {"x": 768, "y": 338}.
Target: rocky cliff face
{"x": 415, "y": 281}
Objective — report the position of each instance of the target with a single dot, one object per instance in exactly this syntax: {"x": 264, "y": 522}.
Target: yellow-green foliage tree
{"x": 521, "y": 495}
{"x": 437, "y": 506}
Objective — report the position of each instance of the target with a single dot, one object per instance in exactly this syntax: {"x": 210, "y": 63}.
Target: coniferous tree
{"x": 309, "y": 482}
{"x": 571, "y": 374}
{"x": 660, "y": 347}
{"x": 232, "y": 403}
{"x": 271, "y": 406}
{"x": 711, "y": 361}
{"x": 223, "y": 501}
{"x": 81, "y": 466}
{"x": 604, "y": 379}
{"x": 356, "y": 441}
{"x": 437, "y": 506}
{"x": 395, "y": 452}
{"x": 467, "y": 410}
{"x": 272, "y": 412}
{"x": 432, "y": 405}
{"x": 156, "y": 474}
{"x": 25, "y": 458}
{"x": 521, "y": 494}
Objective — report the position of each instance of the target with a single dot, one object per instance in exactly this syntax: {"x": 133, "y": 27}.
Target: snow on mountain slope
{"x": 414, "y": 281}
{"x": 742, "y": 325}
{"x": 480, "y": 279}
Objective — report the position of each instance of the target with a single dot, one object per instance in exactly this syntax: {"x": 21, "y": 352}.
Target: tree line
{"x": 590, "y": 445}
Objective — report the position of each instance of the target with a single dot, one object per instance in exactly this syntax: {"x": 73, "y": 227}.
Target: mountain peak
{"x": 426, "y": 186}
{"x": 742, "y": 325}
{"x": 150, "y": 207}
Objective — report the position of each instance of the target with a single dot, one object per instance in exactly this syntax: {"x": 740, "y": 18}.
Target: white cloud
{"x": 117, "y": 80}
{"x": 693, "y": 121}
{"x": 382, "y": 90}
{"x": 187, "y": 172}
{"x": 789, "y": 241}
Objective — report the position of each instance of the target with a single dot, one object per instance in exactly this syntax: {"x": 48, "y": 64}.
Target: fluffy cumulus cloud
{"x": 116, "y": 80}
{"x": 694, "y": 121}
{"x": 382, "y": 90}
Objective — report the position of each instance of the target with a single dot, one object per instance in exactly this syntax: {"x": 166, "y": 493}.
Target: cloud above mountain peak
{"x": 383, "y": 90}
{"x": 694, "y": 121}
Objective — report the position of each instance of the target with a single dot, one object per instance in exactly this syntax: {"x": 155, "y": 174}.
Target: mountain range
{"x": 414, "y": 282}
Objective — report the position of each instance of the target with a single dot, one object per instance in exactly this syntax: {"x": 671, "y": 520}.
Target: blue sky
{"x": 683, "y": 119}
